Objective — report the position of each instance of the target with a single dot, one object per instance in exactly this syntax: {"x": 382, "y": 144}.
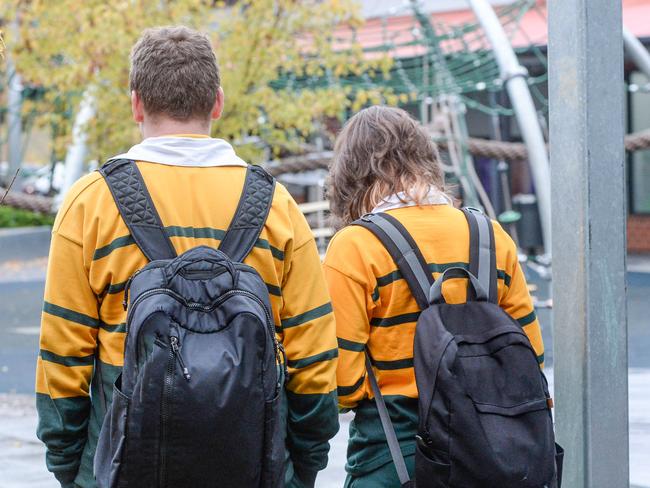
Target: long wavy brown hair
{"x": 379, "y": 152}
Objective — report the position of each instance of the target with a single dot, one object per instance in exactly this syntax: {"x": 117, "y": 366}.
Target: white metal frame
{"x": 515, "y": 77}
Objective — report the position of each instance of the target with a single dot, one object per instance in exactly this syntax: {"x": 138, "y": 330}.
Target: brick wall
{"x": 638, "y": 233}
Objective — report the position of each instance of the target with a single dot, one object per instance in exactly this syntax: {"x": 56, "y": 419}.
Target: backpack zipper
{"x": 125, "y": 300}
{"x": 278, "y": 349}
{"x": 165, "y": 408}
{"x": 176, "y": 351}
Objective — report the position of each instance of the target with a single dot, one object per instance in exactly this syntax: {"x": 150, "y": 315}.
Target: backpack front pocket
{"x": 498, "y": 371}
{"x": 511, "y": 410}
{"x": 427, "y": 468}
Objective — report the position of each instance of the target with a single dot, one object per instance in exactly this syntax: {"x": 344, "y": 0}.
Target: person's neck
{"x": 169, "y": 127}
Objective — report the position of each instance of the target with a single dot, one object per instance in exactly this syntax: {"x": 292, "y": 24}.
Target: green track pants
{"x": 383, "y": 477}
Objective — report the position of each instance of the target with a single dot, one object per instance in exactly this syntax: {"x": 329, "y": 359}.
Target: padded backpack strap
{"x": 132, "y": 198}
{"x": 404, "y": 251}
{"x": 250, "y": 216}
{"x": 482, "y": 252}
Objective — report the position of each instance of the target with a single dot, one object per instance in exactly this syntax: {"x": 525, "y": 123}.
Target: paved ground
{"x": 22, "y": 271}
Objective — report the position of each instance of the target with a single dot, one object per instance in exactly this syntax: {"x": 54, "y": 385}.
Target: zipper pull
{"x": 283, "y": 362}
{"x": 125, "y": 302}
{"x": 177, "y": 352}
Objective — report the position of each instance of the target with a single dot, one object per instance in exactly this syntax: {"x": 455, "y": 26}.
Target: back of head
{"x": 381, "y": 151}
{"x": 174, "y": 72}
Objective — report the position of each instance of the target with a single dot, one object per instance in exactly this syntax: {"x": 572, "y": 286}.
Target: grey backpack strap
{"x": 137, "y": 209}
{"x": 387, "y": 424}
{"x": 404, "y": 251}
{"x": 482, "y": 252}
{"x": 250, "y": 216}
{"x": 407, "y": 256}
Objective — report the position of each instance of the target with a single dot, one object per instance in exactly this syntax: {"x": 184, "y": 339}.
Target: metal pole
{"x": 76, "y": 155}
{"x": 637, "y": 52}
{"x": 515, "y": 76}
{"x": 14, "y": 120}
{"x": 588, "y": 190}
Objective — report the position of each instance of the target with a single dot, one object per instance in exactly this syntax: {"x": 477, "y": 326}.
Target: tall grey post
{"x": 588, "y": 222}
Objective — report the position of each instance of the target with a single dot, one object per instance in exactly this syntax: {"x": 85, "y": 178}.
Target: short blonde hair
{"x": 379, "y": 152}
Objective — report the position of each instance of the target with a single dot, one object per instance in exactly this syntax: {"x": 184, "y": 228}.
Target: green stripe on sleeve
{"x": 349, "y": 390}
{"x": 502, "y": 275}
{"x": 115, "y": 288}
{"x": 80, "y": 318}
{"x": 317, "y": 358}
{"x": 71, "y": 315}
{"x": 307, "y": 316}
{"x": 375, "y": 294}
{"x": 274, "y": 290}
{"x": 67, "y": 360}
{"x": 113, "y": 327}
{"x": 527, "y": 319}
{"x": 404, "y": 318}
{"x": 540, "y": 358}
{"x": 123, "y": 241}
{"x": 392, "y": 365}
{"x": 389, "y": 278}
{"x": 264, "y": 244}
{"x": 351, "y": 345}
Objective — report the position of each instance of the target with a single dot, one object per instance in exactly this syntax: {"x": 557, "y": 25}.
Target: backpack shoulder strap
{"x": 482, "y": 252}
{"x": 132, "y": 198}
{"x": 411, "y": 263}
{"x": 387, "y": 425}
{"x": 404, "y": 251}
{"x": 250, "y": 216}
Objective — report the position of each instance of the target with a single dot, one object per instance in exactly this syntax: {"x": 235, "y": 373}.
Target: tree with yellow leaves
{"x": 72, "y": 46}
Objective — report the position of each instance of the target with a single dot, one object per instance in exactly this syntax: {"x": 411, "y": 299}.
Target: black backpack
{"x": 198, "y": 401}
{"x": 484, "y": 407}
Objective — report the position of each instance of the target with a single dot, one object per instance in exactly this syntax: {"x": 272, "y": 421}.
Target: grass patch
{"x": 13, "y": 217}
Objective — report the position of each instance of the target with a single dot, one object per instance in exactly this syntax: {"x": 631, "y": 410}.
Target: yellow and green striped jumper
{"x": 83, "y": 331}
{"x": 374, "y": 308}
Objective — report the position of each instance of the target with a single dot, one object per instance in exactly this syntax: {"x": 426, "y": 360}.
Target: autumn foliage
{"x": 72, "y": 46}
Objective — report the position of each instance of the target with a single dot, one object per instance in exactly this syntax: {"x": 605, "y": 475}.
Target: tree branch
{"x": 13, "y": 180}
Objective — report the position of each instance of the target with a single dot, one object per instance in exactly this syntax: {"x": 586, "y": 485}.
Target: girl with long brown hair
{"x": 384, "y": 161}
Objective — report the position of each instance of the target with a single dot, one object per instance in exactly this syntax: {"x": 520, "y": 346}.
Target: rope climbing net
{"x": 445, "y": 69}
{"x": 433, "y": 58}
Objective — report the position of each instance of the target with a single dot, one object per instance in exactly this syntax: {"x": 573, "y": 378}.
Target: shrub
{"x": 12, "y": 217}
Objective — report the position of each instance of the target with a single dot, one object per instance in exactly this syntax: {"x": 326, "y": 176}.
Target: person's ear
{"x": 137, "y": 107}
{"x": 217, "y": 110}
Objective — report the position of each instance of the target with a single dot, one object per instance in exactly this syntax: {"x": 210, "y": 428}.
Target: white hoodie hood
{"x": 184, "y": 151}
{"x": 401, "y": 199}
